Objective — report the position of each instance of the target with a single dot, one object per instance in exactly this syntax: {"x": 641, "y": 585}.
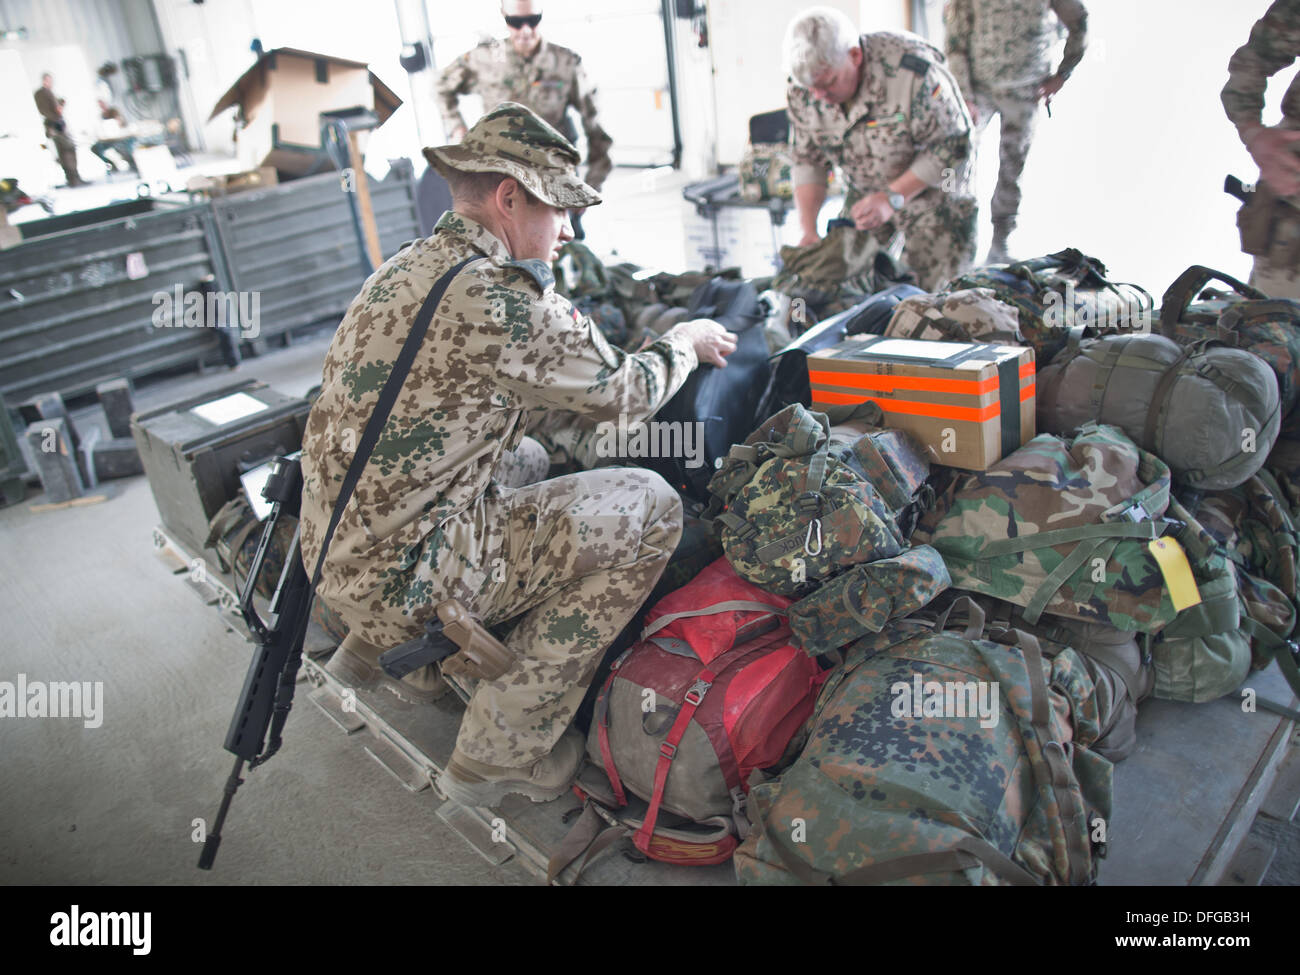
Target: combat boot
{"x": 355, "y": 663}
{"x": 998, "y": 252}
{"x": 473, "y": 783}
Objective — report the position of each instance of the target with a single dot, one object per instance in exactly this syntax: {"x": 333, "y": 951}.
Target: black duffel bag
{"x": 724, "y": 401}
{"x": 789, "y": 382}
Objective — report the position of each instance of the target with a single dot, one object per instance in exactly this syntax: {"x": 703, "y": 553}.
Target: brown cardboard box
{"x": 229, "y": 183}
{"x": 969, "y": 404}
{"x": 9, "y": 236}
{"x": 280, "y": 99}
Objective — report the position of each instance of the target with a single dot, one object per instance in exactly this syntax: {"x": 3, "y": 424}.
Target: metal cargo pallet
{"x": 414, "y": 742}
{"x": 77, "y": 296}
{"x": 1184, "y": 801}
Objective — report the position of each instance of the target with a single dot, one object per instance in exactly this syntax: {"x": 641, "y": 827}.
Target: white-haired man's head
{"x": 822, "y": 54}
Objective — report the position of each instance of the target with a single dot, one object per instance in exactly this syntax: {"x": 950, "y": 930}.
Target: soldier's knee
{"x": 664, "y": 522}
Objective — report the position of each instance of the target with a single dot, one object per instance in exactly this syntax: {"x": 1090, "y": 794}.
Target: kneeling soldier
{"x": 442, "y": 510}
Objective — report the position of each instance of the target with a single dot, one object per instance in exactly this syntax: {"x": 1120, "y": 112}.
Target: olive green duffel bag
{"x": 1208, "y": 411}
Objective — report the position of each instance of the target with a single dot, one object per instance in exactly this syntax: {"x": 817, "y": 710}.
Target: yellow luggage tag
{"x": 1171, "y": 558}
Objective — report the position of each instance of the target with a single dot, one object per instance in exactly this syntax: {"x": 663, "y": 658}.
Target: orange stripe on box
{"x": 1027, "y": 392}
{"x": 865, "y": 380}
{"x": 1026, "y": 369}
{"x": 908, "y": 408}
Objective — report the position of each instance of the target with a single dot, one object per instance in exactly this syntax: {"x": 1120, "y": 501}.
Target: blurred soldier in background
{"x": 884, "y": 109}
{"x": 1000, "y": 53}
{"x": 529, "y": 70}
{"x": 1270, "y": 222}
{"x": 50, "y": 106}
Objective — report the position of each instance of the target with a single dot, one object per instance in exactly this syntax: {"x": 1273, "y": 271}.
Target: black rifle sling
{"x": 374, "y": 427}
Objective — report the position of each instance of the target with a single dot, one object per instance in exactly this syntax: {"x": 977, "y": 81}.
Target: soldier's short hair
{"x": 474, "y": 188}
{"x": 817, "y": 41}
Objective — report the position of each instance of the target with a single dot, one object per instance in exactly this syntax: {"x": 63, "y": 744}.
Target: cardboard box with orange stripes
{"x": 969, "y": 404}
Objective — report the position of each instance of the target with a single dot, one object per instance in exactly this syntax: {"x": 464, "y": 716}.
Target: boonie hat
{"x": 514, "y": 140}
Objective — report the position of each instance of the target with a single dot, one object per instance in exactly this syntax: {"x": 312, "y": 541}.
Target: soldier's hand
{"x": 871, "y": 211}
{"x": 808, "y": 239}
{"x": 1050, "y": 87}
{"x": 712, "y": 342}
{"x": 458, "y": 133}
{"x": 1279, "y": 166}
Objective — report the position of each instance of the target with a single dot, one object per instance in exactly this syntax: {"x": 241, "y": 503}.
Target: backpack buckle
{"x": 809, "y": 503}
{"x": 668, "y": 751}
{"x": 695, "y": 695}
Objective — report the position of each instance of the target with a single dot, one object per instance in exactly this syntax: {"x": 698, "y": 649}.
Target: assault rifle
{"x": 267, "y": 695}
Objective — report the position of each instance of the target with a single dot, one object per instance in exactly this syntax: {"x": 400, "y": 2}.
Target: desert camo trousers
{"x": 578, "y": 556}
{"x": 1277, "y": 273}
{"x": 938, "y": 243}
{"x": 1018, "y": 110}
{"x": 570, "y": 559}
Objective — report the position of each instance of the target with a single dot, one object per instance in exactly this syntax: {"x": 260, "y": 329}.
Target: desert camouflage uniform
{"x": 1274, "y": 45}
{"x": 548, "y": 82}
{"x": 431, "y": 517}
{"x": 907, "y": 114}
{"x": 1000, "y": 51}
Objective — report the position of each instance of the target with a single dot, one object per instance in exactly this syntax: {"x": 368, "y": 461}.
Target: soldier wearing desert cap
{"x": 442, "y": 510}
{"x": 528, "y": 69}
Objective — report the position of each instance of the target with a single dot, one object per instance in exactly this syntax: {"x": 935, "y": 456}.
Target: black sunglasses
{"x": 519, "y": 23}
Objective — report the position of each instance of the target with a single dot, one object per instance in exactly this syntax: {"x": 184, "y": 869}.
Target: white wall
{"x": 1130, "y": 167}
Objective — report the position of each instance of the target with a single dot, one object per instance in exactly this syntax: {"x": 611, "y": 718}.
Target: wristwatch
{"x": 897, "y": 201}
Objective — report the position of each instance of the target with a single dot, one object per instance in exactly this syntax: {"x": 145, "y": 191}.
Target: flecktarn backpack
{"x": 939, "y": 758}
{"x": 800, "y": 506}
{"x": 1248, "y": 319}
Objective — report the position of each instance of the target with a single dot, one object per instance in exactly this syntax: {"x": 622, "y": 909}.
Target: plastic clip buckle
{"x": 695, "y": 695}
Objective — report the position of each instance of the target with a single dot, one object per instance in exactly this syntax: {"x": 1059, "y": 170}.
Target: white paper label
{"x": 913, "y": 349}
{"x": 236, "y": 406}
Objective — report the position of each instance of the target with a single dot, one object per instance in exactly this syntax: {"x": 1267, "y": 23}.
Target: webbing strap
{"x": 1052, "y": 770}
{"x": 975, "y": 617}
{"x": 1061, "y": 536}
{"x": 1058, "y": 577}
{"x": 725, "y": 606}
{"x": 1160, "y": 400}
{"x": 601, "y": 717}
{"x": 668, "y": 751}
{"x": 1180, "y": 294}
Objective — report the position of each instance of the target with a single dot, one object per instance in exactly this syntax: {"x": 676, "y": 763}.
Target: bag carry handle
{"x": 1186, "y": 286}
{"x": 722, "y": 607}
{"x": 975, "y": 617}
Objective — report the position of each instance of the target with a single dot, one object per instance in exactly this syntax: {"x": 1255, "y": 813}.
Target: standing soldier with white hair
{"x": 884, "y": 109}
{"x": 1000, "y": 53}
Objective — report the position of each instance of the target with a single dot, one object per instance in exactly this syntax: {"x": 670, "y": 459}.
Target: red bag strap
{"x": 602, "y": 734}
{"x": 668, "y": 751}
